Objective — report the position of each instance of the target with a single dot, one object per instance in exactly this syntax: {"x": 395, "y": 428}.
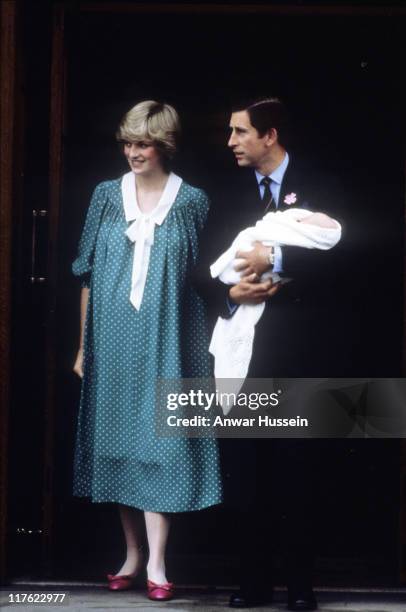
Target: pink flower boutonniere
{"x": 290, "y": 199}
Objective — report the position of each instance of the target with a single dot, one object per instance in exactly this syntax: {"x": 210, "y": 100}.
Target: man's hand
{"x": 256, "y": 261}
{"x": 249, "y": 292}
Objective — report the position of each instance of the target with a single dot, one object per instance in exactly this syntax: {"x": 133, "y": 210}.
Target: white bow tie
{"x": 141, "y": 231}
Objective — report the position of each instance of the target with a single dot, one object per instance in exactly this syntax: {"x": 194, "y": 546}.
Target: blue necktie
{"x": 268, "y": 199}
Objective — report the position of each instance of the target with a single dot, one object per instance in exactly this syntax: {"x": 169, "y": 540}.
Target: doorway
{"x": 104, "y": 61}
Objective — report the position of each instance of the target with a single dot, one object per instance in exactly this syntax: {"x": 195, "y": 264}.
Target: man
{"x": 271, "y": 481}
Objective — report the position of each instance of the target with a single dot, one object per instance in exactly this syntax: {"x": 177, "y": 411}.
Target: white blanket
{"x": 232, "y": 339}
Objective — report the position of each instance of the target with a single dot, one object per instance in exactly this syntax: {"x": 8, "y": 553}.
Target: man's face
{"x": 250, "y": 149}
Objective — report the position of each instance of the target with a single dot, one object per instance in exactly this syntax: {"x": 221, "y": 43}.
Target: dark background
{"x": 342, "y": 79}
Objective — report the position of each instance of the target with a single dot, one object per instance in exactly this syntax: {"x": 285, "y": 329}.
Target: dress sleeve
{"x": 196, "y": 216}
{"x": 202, "y": 209}
{"x": 82, "y": 266}
{"x": 212, "y": 239}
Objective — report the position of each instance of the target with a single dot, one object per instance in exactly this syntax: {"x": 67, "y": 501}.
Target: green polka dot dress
{"x": 118, "y": 457}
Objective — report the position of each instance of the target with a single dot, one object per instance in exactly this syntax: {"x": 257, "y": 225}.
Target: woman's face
{"x": 143, "y": 157}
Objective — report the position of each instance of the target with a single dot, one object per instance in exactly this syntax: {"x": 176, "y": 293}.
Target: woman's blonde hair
{"x": 151, "y": 121}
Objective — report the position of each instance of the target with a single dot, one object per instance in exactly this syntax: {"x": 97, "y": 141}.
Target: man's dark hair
{"x": 264, "y": 114}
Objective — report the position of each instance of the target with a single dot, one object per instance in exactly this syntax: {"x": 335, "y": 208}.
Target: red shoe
{"x": 160, "y": 592}
{"x": 120, "y": 583}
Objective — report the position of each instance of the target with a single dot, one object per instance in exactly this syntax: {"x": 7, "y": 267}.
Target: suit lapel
{"x": 247, "y": 206}
{"x": 289, "y": 189}
{"x": 248, "y": 196}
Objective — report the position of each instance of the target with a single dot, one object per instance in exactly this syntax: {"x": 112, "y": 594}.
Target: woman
{"x": 143, "y": 321}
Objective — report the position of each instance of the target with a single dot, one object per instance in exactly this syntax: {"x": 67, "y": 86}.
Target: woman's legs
{"x": 131, "y": 523}
{"x": 157, "y": 526}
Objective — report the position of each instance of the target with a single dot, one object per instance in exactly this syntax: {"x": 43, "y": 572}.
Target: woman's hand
{"x": 78, "y": 365}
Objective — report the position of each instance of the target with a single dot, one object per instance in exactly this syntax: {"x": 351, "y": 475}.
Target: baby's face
{"x": 319, "y": 219}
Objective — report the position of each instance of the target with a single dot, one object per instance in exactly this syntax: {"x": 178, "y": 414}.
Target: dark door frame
{"x": 11, "y": 164}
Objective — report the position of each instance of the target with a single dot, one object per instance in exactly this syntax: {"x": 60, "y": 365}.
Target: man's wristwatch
{"x": 271, "y": 257}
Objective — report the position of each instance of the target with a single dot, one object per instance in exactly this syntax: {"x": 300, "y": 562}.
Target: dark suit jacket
{"x": 297, "y": 334}
{"x": 330, "y": 321}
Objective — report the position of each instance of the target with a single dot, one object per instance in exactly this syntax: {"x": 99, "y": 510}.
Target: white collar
{"x": 141, "y": 230}
{"x": 278, "y": 174}
{"x": 132, "y": 210}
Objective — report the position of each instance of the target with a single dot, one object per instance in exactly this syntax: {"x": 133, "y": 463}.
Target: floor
{"x": 95, "y": 597}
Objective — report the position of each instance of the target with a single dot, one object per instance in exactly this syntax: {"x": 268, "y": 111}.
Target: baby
{"x": 232, "y": 338}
